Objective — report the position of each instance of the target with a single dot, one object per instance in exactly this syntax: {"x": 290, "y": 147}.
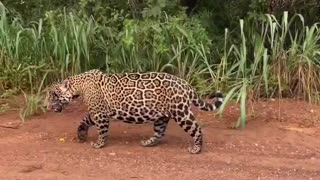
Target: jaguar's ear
{"x": 65, "y": 85}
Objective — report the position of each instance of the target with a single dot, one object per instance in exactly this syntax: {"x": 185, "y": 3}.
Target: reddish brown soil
{"x": 274, "y": 145}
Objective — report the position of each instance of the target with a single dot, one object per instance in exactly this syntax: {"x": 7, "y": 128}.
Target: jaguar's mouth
{"x": 57, "y": 107}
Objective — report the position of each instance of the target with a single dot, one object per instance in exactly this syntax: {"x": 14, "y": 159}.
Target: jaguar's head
{"x": 58, "y": 95}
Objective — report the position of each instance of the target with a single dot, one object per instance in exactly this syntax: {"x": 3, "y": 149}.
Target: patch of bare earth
{"x": 280, "y": 141}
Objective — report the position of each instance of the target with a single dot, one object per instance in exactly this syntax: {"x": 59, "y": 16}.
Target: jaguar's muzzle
{"x": 57, "y": 107}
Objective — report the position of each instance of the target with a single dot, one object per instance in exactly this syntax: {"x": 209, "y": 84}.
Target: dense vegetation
{"x": 247, "y": 48}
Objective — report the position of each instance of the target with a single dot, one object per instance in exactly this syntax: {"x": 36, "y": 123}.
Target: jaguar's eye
{"x": 55, "y": 94}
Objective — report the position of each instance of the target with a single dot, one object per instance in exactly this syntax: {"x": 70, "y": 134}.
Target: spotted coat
{"x": 132, "y": 98}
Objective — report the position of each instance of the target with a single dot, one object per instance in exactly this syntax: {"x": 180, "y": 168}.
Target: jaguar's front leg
{"x": 102, "y": 125}
{"x": 159, "y": 128}
{"x": 83, "y": 128}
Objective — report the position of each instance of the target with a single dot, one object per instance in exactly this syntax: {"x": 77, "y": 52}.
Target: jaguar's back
{"x": 141, "y": 92}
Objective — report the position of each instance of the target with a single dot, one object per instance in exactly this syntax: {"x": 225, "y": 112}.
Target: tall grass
{"x": 34, "y": 100}
{"x": 265, "y": 57}
{"x": 273, "y": 59}
{"x": 60, "y": 46}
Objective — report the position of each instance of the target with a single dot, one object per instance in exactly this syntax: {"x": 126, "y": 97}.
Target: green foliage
{"x": 237, "y": 47}
{"x": 67, "y": 44}
{"x": 33, "y": 10}
{"x": 156, "y": 45}
{"x": 154, "y": 8}
{"x": 33, "y": 101}
{"x": 273, "y": 58}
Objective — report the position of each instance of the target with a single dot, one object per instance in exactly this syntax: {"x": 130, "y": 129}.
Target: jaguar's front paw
{"x": 150, "y": 142}
{"x": 82, "y": 136}
{"x": 98, "y": 144}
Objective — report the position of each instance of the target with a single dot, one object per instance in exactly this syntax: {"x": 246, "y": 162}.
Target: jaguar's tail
{"x": 206, "y": 106}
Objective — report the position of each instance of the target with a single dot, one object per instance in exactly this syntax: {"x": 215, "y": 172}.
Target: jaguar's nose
{"x": 57, "y": 108}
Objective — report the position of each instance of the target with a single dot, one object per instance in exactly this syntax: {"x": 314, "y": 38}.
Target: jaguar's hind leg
{"x": 188, "y": 123}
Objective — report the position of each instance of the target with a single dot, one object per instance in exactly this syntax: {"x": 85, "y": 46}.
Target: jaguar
{"x": 149, "y": 97}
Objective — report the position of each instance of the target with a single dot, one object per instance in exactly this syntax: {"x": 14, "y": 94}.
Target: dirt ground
{"x": 279, "y": 142}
